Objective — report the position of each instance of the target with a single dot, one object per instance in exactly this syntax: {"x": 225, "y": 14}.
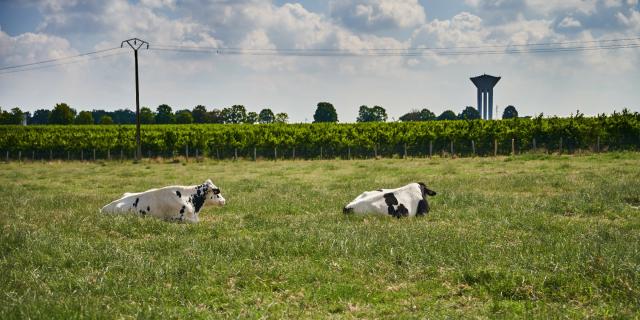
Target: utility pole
{"x": 136, "y": 44}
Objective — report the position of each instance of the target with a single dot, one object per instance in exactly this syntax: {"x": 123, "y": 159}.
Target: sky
{"x": 552, "y": 83}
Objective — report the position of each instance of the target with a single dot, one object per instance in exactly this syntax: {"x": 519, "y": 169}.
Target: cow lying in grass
{"x": 177, "y": 203}
{"x": 410, "y": 200}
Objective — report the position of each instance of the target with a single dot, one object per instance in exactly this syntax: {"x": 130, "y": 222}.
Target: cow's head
{"x": 426, "y": 191}
{"x": 213, "y": 195}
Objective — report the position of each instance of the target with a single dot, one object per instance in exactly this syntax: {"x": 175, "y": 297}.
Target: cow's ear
{"x": 426, "y": 191}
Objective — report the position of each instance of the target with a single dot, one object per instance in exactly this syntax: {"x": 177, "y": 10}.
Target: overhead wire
{"x": 52, "y": 65}
{"x": 59, "y": 59}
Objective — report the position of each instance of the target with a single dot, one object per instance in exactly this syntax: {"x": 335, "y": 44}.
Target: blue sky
{"x": 598, "y": 81}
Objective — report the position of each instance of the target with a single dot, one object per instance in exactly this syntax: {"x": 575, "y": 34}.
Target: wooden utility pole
{"x": 136, "y": 44}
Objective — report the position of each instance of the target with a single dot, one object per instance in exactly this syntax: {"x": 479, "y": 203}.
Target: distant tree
{"x": 282, "y": 117}
{"x": 510, "y": 112}
{"x": 123, "y": 116}
{"x": 184, "y": 117}
{"x": 325, "y": 113}
{"x": 375, "y": 114}
{"x": 235, "y": 114}
{"x": 266, "y": 116}
{"x": 147, "y": 116}
{"x": 84, "y": 117}
{"x": 97, "y": 114}
{"x": 16, "y": 116}
{"x": 40, "y": 116}
{"x": 106, "y": 120}
{"x": 4, "y": 117}
{"x": 447, "y": 115}
{"x": 215, "y": 116}
{"x": 164, "y": 115}
{"x": 252, "y": 117}
{"x": 415, "y": 115}
{"x": 62, "y": 114}
{"x": 199, "y": 114}
{"x": 469, "y": 113}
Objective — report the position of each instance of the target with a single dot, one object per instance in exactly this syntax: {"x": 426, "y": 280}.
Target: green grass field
{"x": 530, "y": 236}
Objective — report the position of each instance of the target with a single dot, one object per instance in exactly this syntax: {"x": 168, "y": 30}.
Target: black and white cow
{"x": 178, "y": 203}
{"x": 410, "y": 200}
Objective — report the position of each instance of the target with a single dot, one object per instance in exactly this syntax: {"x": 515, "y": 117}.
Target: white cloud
{"x": 569, "y": 22}
{"x": 372, "y": 15}
{"x": 32, "y": 47}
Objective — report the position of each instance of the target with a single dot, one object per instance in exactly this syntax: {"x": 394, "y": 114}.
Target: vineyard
{"x": 619, "y": 131}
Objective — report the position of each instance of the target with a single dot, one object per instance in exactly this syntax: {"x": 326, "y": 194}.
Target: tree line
{"x": 63, "y": 114}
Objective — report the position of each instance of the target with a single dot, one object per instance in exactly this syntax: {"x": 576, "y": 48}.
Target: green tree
{"x": 282, "y": 117}
{"x": 375, "y": 114}
{"x": 40, "y": 116}
{"x": 199, "y": 114}
{"x": 84, "y": 117}
{"x": 418, "y": 115}
{"x": 184, "y": 117}
{"x": 266, "y": 116}
{"x": 447, "y": 115}
{"x": 106, "y": 119}
{"x": 235, "y": 114}
{"x": 510, "y": 112}
{"x": 252, "y": 117}
{"x": 164, "y": 115}
{"x": 147, "y": 116}
{"x": 62, "y": 114}
{"x": 215, "y": 116}
{"x": 469, "y": 113}
{"x": 16, "y": 116}
{"x": 325, "y": 112}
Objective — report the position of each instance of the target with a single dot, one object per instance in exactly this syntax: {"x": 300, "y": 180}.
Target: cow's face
{"x": 213, "y": 195}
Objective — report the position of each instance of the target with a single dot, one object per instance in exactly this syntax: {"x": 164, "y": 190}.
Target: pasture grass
{"x": 527, "y": 236}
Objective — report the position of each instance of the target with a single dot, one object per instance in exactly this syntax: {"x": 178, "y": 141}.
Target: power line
{"x": 551, "y": 45}
{"x": 59, "y": 59}
{"x": 62, "y": 64}
{"x": 404, "y": 53}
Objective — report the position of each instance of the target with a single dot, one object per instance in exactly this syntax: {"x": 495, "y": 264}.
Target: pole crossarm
{"x": 134, "y": 43}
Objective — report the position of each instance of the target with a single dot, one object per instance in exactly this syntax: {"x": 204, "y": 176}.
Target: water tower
{"x": 485, "y": 84}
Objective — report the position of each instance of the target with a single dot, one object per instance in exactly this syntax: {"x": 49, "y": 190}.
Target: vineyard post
{"x": 94, "y": 154}
{"x": 33, "y": 155}
{"x": 149, "y": 154}
{"x": 375, "y": 151}
{"x": 81, "y": 155}
{"x": 349, "y": 152}
{"x": 293, "y": 156}
{"x": 513, "y": 146}
{"x": 598, "y": 145}
{"x": 275, "y": 153}
{"x": 196, "y": 155}
{"x": 121, "y": 155}
{"x": 534, "y": 145}
{"x": 109, "y": 154}
{"x": 19, "y": 156}
{"x": 451, "y": 148}
{"x": 320, "y": 152}
{"x": 186, "y": 152}
{"x": 50, "y": 155}
{"x": 405, "y": 151}
{"x": 430, "y": 148}
{"x": 495, "y": 147}
{"x": 473, "y": 147}
{"x": 560, "y": 148}
{"x": 255, "y": 154}
{"x": 235, "y": 154}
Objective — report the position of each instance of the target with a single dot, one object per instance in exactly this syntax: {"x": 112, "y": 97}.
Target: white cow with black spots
{"x": 177, "y": 203}
{"x": 410, "y": 200}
